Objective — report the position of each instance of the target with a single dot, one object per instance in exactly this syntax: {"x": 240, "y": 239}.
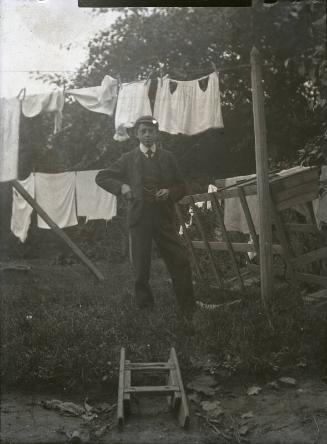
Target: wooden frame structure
{"x": 294, "y": 187}
{"x": 174, "y": 390}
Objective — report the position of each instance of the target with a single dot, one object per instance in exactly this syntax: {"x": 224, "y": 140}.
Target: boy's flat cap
{"x": 149, "y": 120}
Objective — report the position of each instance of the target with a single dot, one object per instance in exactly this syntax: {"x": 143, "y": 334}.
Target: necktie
{"x": 149, "y": 153}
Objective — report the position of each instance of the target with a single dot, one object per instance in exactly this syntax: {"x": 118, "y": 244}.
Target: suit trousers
{"x": 157, "y": 224}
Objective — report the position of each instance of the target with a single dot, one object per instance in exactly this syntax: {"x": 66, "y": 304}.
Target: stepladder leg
{"x": 120, "y": 403}
{"x": 183, "y": 410}
{"x": 174, "y": 400}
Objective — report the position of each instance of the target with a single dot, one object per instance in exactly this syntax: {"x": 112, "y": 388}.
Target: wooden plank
{"x": 219, "y": 213}
{"x": 293, "y": 192}
{"x": 312, "y": 216}
{"x": 237, "y": 246}
{"x": 183, "y": 413}
{"x": 206, "y": 243}
{"x": 58, "y": 231}
{"x": 321, "y": 294}
{"x": 302, "y": 228}
{"x": 292, "y": 179}
{"x": 249, "y": 190}
{"x": 127, "y": 384}
{"x": 153, "y": 389}
{"x": 248, "y": 217}
{"x": 278, "y": 271}
{"x": 189, "y": 242}
{"x": 307, "y": 197}
{"x": 312, "y": 256}
{"x": 144, "y": 366}
{"x": 120, "y": 402}
{"x": 261, "y": 156}
{"x": 312, "y": 279}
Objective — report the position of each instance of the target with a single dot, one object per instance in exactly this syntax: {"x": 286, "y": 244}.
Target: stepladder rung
{"x": 151, "y": 366}
{"x": 155, "y": 389}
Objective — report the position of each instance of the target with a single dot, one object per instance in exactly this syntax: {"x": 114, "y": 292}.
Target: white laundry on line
{"x": 22, "y": 210}
{"x": 188, "y": 109}
{"x": 55, "y": 193}
{"x": 10, "y": 111}
{"x": 133, "y": 102}
{"x": 92, "y": 201}
{"x": 52, "y": 102}
{"x": 99, "y": 99}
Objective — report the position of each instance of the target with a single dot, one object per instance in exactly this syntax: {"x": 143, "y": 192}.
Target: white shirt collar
{"x": 144, "y": 149}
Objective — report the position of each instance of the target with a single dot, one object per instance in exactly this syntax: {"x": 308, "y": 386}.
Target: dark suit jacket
{"x": 128, "y": 169}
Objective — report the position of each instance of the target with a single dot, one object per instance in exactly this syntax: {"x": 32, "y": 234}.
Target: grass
{"x": 61, "y": 328}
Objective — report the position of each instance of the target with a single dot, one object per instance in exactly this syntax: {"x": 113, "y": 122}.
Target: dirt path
{"x": 288, "y": 415}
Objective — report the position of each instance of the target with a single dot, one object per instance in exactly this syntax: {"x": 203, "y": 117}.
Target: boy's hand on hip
{"x": 162, "y": 194}
{"x": 126, "y": 191}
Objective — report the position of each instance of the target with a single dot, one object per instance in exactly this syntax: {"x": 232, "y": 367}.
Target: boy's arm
{"x": 114, "y": 178}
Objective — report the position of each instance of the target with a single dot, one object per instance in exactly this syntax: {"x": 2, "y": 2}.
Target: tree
{"x": 183, "y": 42}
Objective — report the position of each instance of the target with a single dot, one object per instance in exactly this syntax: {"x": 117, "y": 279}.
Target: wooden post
{"x": 261, "y": 157}
{"x": 61, "y": 234}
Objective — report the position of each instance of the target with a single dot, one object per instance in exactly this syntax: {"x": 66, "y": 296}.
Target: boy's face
{"x": 147, "y": 134}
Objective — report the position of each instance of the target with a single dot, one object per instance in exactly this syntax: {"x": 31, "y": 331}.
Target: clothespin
{"x": 23, "y": 90}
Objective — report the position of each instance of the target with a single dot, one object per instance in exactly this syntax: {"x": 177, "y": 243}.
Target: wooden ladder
{"x": 174, "y": 390}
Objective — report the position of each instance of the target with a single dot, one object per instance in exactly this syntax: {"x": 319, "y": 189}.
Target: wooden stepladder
{"x": 174, "y": 390}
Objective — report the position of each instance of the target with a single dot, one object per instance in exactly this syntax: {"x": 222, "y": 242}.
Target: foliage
{"x": 183, "y": 42}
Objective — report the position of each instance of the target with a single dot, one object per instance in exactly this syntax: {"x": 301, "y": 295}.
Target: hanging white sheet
{"x": 92, "y": 201}
{"x": 55, "y": 193}
{"x": 10, "y": 111}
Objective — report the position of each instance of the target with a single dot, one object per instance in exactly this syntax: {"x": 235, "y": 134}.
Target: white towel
{"x": 52, "y": 102}
{"x": 234, "y": 216}
{"x": 55, "y": 193}
{"x": 10, "y": 111}
{"x": 133, "y": 102}
{"x": 92, "y": 201}
{"x": 99, "y": 99}
{"x": 21, "y": 210}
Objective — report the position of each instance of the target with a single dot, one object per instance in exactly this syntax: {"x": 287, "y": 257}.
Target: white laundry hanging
{"x": 92, "y": 201}
{"x": 133, "y": 102}
{"x": 99, "y": 99}
{"x": 55, "y": 193}
{"x": 10, "y": 112}
{"x": 52, "y": 102}
{"x": 22, "y": 210}
{"x": 188, "y": 109}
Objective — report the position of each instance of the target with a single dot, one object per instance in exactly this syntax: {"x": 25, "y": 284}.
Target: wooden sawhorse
{"x": 174, "y": 390}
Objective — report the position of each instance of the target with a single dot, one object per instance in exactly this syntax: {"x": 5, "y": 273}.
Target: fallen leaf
{"x": 254, "y": 390}
{"x": 287, "y": 381}
{"x": 64, "y": 407}
{"x": 203, "y": 384}
{"x": 101, "y": 431}
{"x": 213, "y": 408}
{"x": 273, "y": 384}
{"x": 247, "y": 415}
{"x": 243, "y": 430}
